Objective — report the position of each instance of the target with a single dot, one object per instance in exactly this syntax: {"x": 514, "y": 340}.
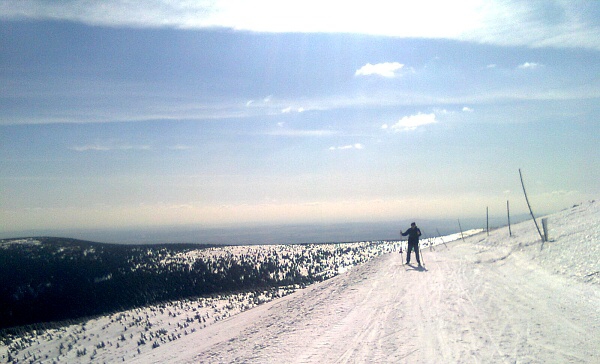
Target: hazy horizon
{"x": 268, "y": 234}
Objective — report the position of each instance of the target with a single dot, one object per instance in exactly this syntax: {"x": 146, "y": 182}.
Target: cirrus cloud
{"x": 289, "y": 109}
{"x": 108, "y": 147}
{"x": 349, "y": 146}
{"x": 489, "y": 22}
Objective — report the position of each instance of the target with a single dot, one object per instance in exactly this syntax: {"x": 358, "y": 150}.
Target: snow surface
{"x": 487, "y": 299}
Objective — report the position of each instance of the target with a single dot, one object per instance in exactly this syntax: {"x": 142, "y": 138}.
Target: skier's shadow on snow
{"x": 416, "y": 268}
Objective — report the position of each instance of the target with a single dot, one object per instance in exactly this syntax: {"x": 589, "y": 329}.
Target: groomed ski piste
{"x": 484, "y": 299}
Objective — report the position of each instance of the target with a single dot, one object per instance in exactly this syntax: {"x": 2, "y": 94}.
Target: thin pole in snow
{"x": 528, "y": 205}
{"x": 508, "y": 212}
{"x": 487, "y": 220}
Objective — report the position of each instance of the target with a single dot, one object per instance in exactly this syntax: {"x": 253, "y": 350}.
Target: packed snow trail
{"x": 469, "y": 304}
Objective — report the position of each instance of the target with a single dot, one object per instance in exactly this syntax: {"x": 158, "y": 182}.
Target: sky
{"x": 225, "y": 114}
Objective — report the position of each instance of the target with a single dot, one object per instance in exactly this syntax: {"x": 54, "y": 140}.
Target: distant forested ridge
{"x": 47, "y": 279}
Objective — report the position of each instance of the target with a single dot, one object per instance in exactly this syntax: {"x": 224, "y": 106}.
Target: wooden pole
{"x": 545, "y": 228}
{"x": 461, "y": 232}
{"x": 508, "y": 212}
{"x": 487, "y": 220}
{"x": 528, "y": 205}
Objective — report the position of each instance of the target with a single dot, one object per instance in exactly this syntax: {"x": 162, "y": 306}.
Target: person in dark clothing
{"x": 413, "y": 242}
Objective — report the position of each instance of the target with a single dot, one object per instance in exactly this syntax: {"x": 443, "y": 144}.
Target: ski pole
{"x": 420, "y": 251}
{"x": 401, "y": 255}
{"x": 442, "y": 238}
{"x": 401, "y": 244}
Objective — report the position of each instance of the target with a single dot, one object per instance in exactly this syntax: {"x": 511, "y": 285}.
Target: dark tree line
{"x": 64, "y": 279}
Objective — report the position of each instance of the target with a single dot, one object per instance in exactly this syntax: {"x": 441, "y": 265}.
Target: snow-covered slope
{"x": 486, "y": 299}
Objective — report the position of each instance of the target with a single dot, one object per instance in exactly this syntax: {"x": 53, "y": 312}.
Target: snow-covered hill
{"x": 486, "y": 299}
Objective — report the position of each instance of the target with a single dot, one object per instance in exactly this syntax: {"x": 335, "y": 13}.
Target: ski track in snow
{"x": 487, "y": 299}
{"x": 478, "y": 301}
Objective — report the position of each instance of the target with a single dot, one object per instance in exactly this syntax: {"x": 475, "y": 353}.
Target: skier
{"x": 413, "y": 242}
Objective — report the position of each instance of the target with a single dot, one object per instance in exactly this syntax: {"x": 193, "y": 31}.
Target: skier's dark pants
{"x": 413, "y": 246}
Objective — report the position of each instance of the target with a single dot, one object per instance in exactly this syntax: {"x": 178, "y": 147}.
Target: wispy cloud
{"x": 412, "y": 122}
{"x": 146, "y": 110}
{"x": 347, "y": 147}
{"x": 387, "y": 69}
{"x": 289, "y": 109}
{"x": 493, "y": 23}
{"x": 108, "y": 147}
{"x": 467, "y": 109}
{"x": 300, "y": 133}
{"x": 181, "y": 147}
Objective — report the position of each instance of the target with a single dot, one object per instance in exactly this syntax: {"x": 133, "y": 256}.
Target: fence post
{"x": 545, "y": 228}
{"x": 530, "y": 210}
{"x": 508, "y": 212}
{"x": 487, "y": 220}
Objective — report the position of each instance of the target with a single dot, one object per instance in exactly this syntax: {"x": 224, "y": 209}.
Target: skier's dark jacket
{"x": 413, "y": 234}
